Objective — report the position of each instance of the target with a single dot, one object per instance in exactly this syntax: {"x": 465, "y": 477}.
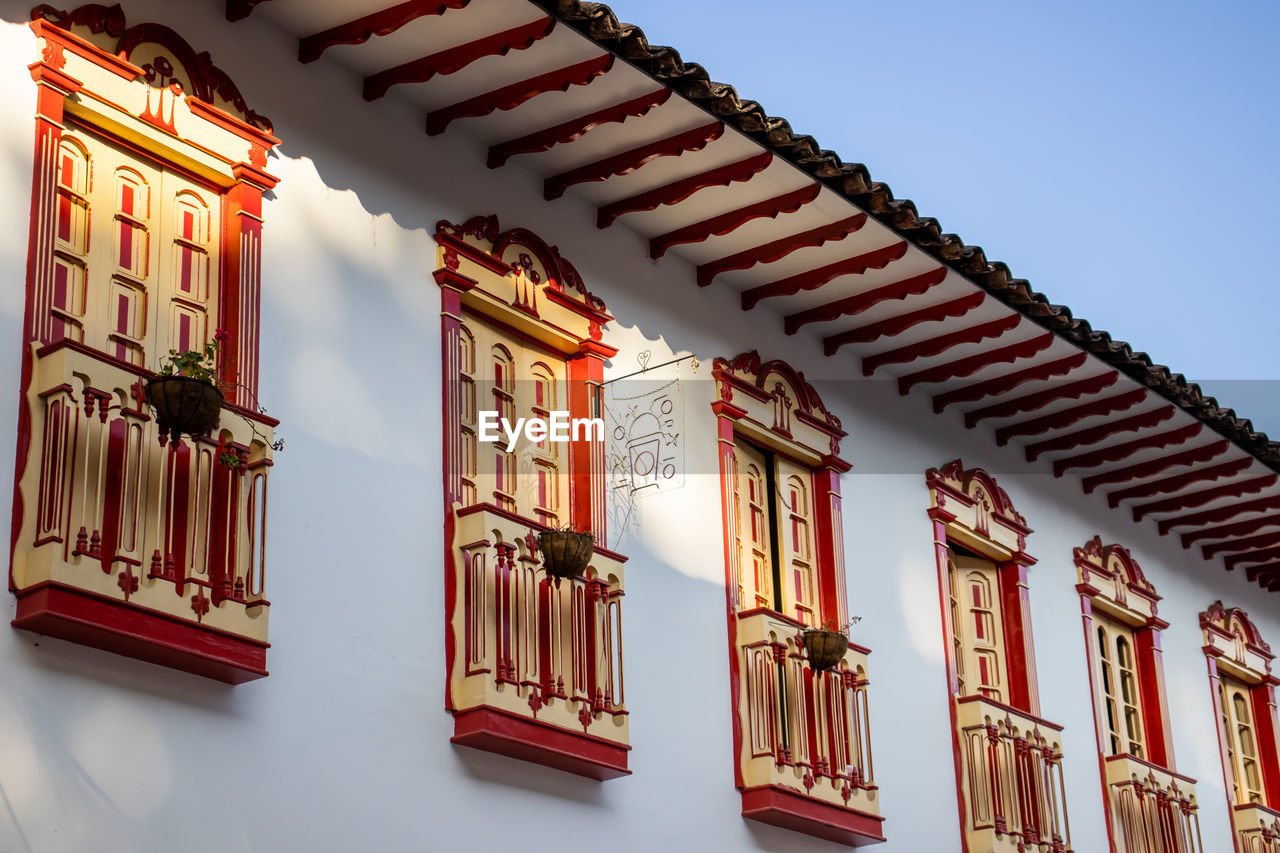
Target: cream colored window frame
{"x": 154, "y": 218}
{"x": 1120, "y": 696}
{"x": 788, "y": 512}
{"x": 1241, "y": 740}
{"x": 979, "y": 628}
{"x": 518, "y": 490}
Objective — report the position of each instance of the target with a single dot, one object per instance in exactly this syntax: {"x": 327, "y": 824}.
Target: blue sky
{"x": 1121, "y": 156}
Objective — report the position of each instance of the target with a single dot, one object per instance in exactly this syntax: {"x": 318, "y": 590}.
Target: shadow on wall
{"x": 17, "y": 97}
{"x": 544, "y": 783}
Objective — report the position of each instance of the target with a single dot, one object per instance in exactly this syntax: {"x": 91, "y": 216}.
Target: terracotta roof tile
{"x": 852, "y": 180}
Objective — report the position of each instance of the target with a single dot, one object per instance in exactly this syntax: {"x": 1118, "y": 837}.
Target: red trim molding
{"x": 126, "y": 629}
{"x": 789, "y": 810}
{"x": 497, "y": 731}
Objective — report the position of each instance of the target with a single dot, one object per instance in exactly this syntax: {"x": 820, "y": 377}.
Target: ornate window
{"x": 1243, "y": 693}
{"x": 802, "y": 737}
{"x": 1145, "y": 797}
{"x": 534, "y": 662}
{"x": 146, "y": 225}
{"x": 1009, "y": 759}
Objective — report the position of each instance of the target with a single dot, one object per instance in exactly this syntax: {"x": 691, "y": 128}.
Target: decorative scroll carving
{"x": 519, "y": 249}
{"x": 746, "y": 371}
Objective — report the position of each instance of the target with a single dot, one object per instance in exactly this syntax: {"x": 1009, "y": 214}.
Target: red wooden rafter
{"x": 942, "y": 343}
{"x": 859, "y": 302}
{"x": 1093, "y": 435}
{"x": 1202, "y": 453}
{"x": 1067, "y": 417}
{"x": 718, "y": 226}
{"x": 454, "y": 59}
{"x": 240, "y": 9}
{"x": 962, "y": 367}
{"x": 776, "y": 250}
{"x": 1250, "y": 543}
{"x": 1004, "y": 384}
{"x": 1267, "y": 575}
{"x": 1179, "y": 482}
{"x": 1217, "y": 514}
{"x": 815, "y": 278}
{"x": 1260, "y": 556}
{"x": 1124, "y": 450}
{"x": 899, "y": 323}
{"x": 512, "y": 96}
{"x": 1227, "y": 531}
{"x": 677, "y": 191}
{"x": 1204, "y": 496}
{"x": 628, "y": 161}
{"x": 1073, "y": 390}
{"x": 381, "y": 23}
{"x": 567, "y": 131}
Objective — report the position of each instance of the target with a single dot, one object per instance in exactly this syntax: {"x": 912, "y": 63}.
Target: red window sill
{"x": 529, "y": 740}
{"x": 794, "y": 811}
{"x": 115, "y": 626}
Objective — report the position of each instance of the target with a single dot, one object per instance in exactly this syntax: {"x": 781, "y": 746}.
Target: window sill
{"x": 493, "y": 730}
{"x": 80, "y": 617}
{"x": 792, "y": 810}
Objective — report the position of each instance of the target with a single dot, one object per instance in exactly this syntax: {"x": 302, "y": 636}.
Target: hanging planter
{"x": 184, "y": 405}
{"x": 826, "y": 646}
{"x": 565, "y": 553}
{"x": 184, "y": 394}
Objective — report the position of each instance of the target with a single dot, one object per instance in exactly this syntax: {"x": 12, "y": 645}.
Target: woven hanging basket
{"x": 565, "y": 553}
{"x": 184, "y": 405}
{"x": 825, "y": 649}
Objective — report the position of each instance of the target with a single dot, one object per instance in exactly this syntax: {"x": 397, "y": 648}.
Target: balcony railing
{"x": 806, "y": 736}
{"x": 1257, "y": 828}
{"x": 1012, "y": 779}
{"x": 537, "y": 649}
{"x": 118, "y": 519}
{"x": 1153, "y": 809}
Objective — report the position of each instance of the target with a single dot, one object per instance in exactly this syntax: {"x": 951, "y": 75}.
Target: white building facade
{"x": 1060, "y": 555}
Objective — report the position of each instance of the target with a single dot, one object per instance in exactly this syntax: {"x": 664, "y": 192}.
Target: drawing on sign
{"x": 644, "y": 418}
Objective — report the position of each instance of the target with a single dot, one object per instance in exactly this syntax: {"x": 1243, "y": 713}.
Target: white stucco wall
{"x": 346, "y": 745}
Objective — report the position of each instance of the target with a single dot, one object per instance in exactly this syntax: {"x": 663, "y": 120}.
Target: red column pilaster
{"x": 240, "y": 297}
{"x": 1091, "y": 655}
{"x": 1155, "y": 703}
{"x": 1215, "y": 691}
{"x": 1024, "y": 688}
{"x": 586, "y": 492}
{"x": 52, "y": 89}
{"x": 940, "y": 517}
{"x": 726, "y": 413}
{"x": 452, "y": 285}
{"x": 832, "y": 594}
{"x": 1263, "y": 698}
